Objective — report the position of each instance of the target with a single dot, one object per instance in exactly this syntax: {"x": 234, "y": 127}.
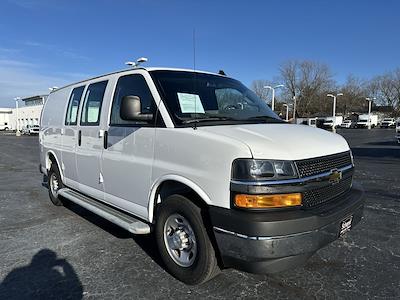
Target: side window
{"x": 132, "y": 85}
{"x": 90, "y": 115}
{"x": 73, "y": 105}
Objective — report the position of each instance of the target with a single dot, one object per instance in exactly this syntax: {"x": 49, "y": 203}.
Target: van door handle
{"x": 79, "y": 137}
{"x": 105, "y": 139}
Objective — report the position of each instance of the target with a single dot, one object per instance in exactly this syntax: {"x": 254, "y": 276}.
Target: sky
{"x": 46, "y": 43}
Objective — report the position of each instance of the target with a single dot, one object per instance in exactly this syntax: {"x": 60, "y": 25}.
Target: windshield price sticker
{"x": 190, "y": 103}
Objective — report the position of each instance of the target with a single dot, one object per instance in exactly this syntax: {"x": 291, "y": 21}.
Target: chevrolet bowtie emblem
{"x": 335, "y": 176}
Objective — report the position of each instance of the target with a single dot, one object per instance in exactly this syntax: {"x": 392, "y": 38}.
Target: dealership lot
{"x": 49, "y": 251}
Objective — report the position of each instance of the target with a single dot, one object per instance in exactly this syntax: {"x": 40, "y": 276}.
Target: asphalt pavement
{"x": 69, "y": 253}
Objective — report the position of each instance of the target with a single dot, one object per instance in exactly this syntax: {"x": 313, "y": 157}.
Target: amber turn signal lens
{"x": 267, "y": 201}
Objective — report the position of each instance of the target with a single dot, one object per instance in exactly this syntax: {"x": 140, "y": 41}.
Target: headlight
{"x": 259, "y": 169}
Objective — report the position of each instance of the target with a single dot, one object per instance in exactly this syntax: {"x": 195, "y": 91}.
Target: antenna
{"x": 136, "y": 63}
{"x": 194, "y": 50}
{"x": 194, "y": 74}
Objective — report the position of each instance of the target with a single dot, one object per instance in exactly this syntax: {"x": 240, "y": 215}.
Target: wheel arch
{"x": 51, "y": 158}
{"x": 175, "y": 184}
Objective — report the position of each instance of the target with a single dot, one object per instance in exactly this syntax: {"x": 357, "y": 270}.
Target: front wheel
{"x": 183, "y": 241}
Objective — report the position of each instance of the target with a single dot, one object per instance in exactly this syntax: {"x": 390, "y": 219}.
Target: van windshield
{"x": 207, "y": 99}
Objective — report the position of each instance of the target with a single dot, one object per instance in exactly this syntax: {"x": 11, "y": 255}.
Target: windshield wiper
{"x": 208, "y": 119}
{"x": 266, "y": 118}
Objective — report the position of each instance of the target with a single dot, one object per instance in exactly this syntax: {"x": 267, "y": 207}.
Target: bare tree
{"x": 290, "y": 77}
{"x": 309, "y": 81}
{"x": 386, "y": 88}
{"x": 354, "y": 92}
{"x": 258, "y": 88}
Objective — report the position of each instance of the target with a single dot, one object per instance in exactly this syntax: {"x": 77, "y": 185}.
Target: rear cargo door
{"x": 70, "y": 138}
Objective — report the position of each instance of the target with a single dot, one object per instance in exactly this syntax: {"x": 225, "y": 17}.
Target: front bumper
{"x": 268, "y": 242}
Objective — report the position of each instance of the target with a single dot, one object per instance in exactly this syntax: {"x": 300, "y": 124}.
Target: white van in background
{"x": 4, "y": 126}
{"x": 201, "y": 162}
{"x": 363, "y": 121}
{"x": 348, "y": 123}
{"x": 307, "y": 121}
{"x": 333, "y": 122}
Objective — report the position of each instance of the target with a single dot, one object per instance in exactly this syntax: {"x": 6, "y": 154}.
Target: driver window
{"x": 134, "y": 85}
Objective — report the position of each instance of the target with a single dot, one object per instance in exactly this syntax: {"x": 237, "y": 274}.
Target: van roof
{"x": 149, "y": 69}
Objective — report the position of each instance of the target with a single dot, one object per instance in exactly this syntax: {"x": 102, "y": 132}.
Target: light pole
{"x": 273, "y": 93}
{"x": 287, "y": 111}
{"x": 334, "y": 110}
{"x": 136, "y": 63}
{"x": 17, "y": 133}
{"x": 369, "y": 110}
{"x": 294, "y": 109}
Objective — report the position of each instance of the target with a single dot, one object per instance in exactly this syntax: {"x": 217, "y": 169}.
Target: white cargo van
{"x": 199, "y": 161}
{"x": 363, "y": 121}
{"x": 307, "y": 121}
{"x": 333, "y": 122}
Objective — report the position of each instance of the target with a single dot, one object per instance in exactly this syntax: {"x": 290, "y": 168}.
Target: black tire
{"x": 204, "y": 266}
{"x": 54, "y": 171}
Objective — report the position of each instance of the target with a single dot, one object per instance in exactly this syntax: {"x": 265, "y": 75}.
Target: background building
{"x": 29, "y": 112}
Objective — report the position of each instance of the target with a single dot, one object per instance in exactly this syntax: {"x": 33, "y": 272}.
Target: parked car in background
{"x": 307, "y": 121}
{"x": 200, "y": 161}
{"x": 333, "y": 122}
{"x": 388, "y": 122}
{"x": 31, "y": 130}
{"x": 398, "y": 130}
{"x": 348, "y": 124}
{"x": 363, "y": 121}
{"x": 4, "y": 126}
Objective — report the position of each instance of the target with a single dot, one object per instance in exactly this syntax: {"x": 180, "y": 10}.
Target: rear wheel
{"x": 54, "y": 184}
{"x": 183, "y": 241}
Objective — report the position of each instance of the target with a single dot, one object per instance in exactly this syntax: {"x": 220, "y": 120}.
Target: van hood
{"x": 283, "y": 141}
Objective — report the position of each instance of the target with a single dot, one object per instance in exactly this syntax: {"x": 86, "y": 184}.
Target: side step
{"x": 115, "y": 216}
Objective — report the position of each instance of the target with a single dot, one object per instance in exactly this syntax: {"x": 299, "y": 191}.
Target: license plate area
{"x": 345, "y": 225}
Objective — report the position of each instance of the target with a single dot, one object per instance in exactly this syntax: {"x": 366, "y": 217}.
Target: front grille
{"x": 324, "y": 194}
{"x": 318, "y": 165}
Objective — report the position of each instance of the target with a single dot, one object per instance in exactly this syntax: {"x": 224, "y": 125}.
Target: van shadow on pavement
{"x": 46, "y": 277}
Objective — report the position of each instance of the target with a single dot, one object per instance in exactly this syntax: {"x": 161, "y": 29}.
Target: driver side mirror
{"x": 131, "y": 109}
